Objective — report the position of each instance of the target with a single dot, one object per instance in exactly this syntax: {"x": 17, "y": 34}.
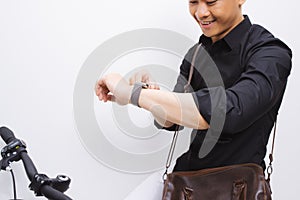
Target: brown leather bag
{"x": 234, "y": 182}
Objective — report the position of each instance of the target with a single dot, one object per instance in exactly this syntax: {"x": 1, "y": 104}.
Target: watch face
{"x": 145, "y": 85}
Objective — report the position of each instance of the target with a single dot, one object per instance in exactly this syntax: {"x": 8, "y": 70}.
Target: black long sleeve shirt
{"x": 254, "y": 67}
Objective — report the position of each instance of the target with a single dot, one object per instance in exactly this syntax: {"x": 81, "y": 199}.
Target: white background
{"x": 43, "y": 45}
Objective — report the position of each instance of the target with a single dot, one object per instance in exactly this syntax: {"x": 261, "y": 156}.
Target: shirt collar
{"x": 232, "y": 39}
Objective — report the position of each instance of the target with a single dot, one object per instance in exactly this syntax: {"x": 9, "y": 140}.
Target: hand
{"x": 145, "y": 77}
{"x": 113, "y": 87}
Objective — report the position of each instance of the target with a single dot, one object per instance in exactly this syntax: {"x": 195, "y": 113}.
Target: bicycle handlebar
{"x": 42, "y": 185}
{"x": 7, "y": 135}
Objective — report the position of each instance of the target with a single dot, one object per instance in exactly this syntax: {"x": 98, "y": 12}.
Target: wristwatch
{"x": 136, "y": 91}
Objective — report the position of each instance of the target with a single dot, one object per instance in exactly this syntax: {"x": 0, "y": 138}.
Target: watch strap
{"x": 136, "y": 92}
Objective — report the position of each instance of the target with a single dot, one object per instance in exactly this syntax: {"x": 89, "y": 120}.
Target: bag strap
{"x": 270, "y": 167}
{"x": 175, "y": 136}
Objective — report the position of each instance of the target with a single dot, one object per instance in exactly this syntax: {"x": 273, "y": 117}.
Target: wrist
{"x": 136, "y": 92}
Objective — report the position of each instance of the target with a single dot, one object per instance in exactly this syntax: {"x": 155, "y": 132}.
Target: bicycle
{"x": 41, "y": 184}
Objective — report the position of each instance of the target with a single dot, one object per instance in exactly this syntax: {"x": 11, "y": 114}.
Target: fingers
{"x": 140, "y": 76}
{"x": 101, "y": 90}
{"x": 145, "y": 77}
{"x": 154, "y": 86}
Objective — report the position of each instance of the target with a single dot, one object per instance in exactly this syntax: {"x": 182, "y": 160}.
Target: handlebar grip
{"x": 7, "y": 135}
{"x": 53, "y": 194}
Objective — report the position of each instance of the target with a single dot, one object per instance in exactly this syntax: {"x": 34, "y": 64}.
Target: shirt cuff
{"x": 203, "y": 99}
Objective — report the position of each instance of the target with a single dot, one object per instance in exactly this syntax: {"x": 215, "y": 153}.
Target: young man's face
{"x": 216, "y": 17}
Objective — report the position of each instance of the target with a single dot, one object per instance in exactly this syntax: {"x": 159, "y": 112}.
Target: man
{"x": 254, "y": 66}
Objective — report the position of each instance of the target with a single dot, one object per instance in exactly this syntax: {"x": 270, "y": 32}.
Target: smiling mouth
{"x": 206, "y": 22}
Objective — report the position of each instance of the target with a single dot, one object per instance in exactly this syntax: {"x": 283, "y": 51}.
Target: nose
{"x": 202, "y": 11}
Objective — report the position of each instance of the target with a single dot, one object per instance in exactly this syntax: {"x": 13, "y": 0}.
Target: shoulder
{"x": 261, "y": 38}
{"x": 263, "y": 49}
{"x": 259, "y": 30}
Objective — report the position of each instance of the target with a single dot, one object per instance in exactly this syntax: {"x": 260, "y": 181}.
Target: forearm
{"x": 172, "y": 108}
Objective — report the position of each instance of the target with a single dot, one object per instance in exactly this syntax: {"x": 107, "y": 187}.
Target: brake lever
{"x": 11, "y": 152}
{"x": 4, "y": 164}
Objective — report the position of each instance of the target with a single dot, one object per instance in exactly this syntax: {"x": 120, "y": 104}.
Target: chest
{"x": 217, "y": 69}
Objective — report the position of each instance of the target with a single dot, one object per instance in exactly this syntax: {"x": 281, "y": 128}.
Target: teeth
{"x": 206, "y": 23}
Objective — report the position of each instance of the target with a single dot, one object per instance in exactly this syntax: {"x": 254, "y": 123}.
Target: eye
{"x": 193, "y": 2}
{"x": 210, "y": 3}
